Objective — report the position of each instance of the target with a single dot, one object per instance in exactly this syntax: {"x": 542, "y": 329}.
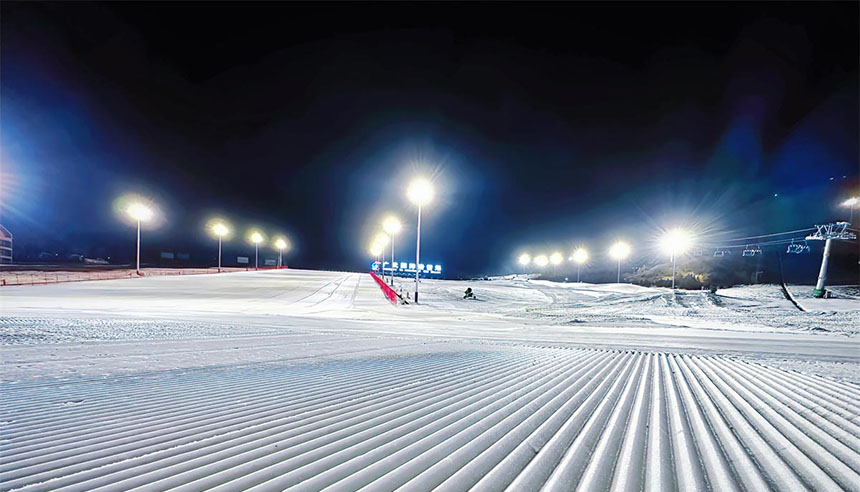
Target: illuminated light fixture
{"x": 220, "y": 229}
{"x": 524, "y": 259}
{"x": 579, "y": 257}
{"x": 392, "y": 226}
{"x": 419, "y": 192}
{"x": 256, "y": 238}
{"x": 140, "y": 212}
{"x": 675, "y": 242}
{"x": 281, "y": 244}
{"x": 541, "y": 261}
{"x": 377, "y": 246}
{"x": 555, "y": 258}
{"x": 619, "y": 250}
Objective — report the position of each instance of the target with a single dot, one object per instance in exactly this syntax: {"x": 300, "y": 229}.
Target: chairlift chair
{"x": 751, "y": 250}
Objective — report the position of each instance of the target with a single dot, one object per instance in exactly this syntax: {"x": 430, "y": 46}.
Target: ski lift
{"x": 797, "y": 248}
{"x": 751, "y": 250}
{"x": 721, "y": 252}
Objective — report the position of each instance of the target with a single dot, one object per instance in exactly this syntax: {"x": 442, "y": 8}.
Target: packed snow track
{"x": 300, "y": 380}
{"x": 513, "y": 418}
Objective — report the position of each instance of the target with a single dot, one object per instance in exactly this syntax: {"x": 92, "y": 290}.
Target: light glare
{"x": 391, "y": 225}
{"x": 139, "y": 211}
{"x": 675, "y": 241}
{"x": 220, "y": 229}
{"x": 851, "y": 202}
{"x": 556, "y": 258}
{"x": 580, "y": 256}
{"x": 619, "y": 250}
{"x": 525, "y": 259}
{"x": 420, "y": 192}
{"x": 541, "y": 260}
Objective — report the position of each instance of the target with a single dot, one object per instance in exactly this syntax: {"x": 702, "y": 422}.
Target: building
{"x": 5, "y": 245}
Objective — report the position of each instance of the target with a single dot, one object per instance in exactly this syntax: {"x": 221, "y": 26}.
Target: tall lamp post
{"x": 392, "y": 227}
{"x": 140, "y": 213}
{"x": 675, "y": 242}
{"x": 420, "y": 192}
{"x": 281, "y": 243}
{"x": 619, "y": 251}
{"x": 256, "y": 238}
{"x": 579, "y": 257}
{"x": 220, "y": 230}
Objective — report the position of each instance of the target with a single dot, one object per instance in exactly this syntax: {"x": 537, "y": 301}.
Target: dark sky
{"x": 543, "y": 125}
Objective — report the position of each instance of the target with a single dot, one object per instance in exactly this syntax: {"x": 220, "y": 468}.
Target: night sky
{"x": 542, "y": 125}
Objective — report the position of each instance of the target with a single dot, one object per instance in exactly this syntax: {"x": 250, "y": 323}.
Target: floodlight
{"x": 391, "y": 225}
{"x": 555, "y": 258}
{"x": 580, "y": 256}
{"x": 256, "y": 238}
{"x": 675, "y": 241}
{"x": 525, "y": 259}
{"x": 619, "y": 250}
{"x": 280, "y": 243}
{"x": 220, "y": 230}
{"x": 139, "y": 212}
{"x": 420, "y": 192}
{"x": 375, "y": 249}
{"x": 851, "y": 202}
{"x": 541, "y": 260}
{"x": 381, "y": 239}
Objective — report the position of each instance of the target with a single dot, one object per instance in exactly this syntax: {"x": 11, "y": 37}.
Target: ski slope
{"x": 300, "y": 380}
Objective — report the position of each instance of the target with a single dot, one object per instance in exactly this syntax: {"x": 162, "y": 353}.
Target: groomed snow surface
{"x": 307, "y": 380}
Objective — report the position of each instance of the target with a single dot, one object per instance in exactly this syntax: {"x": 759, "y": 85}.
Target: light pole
{"x": 619, "y": 251}
{"x": 219, "y": 230}
{"x": 675, "y": 242}
{"x": 579, "y": 257}
{"x": 281, "y": 243}
{"x": 256, "y": 238}
{"x": 420, "y": 192}
{"x": 392, "y": 226}
{"x": 140, "y": 213}
{"x": 851, "y": 203}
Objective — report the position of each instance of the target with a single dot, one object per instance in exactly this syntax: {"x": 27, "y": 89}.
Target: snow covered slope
{"x": 307, "y": 380}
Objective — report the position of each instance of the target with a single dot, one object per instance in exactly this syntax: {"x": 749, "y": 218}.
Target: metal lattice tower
{"x": 827, "y": 233}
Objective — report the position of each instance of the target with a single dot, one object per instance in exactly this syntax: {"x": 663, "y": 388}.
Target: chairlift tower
{"x": 827, "y": 233}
